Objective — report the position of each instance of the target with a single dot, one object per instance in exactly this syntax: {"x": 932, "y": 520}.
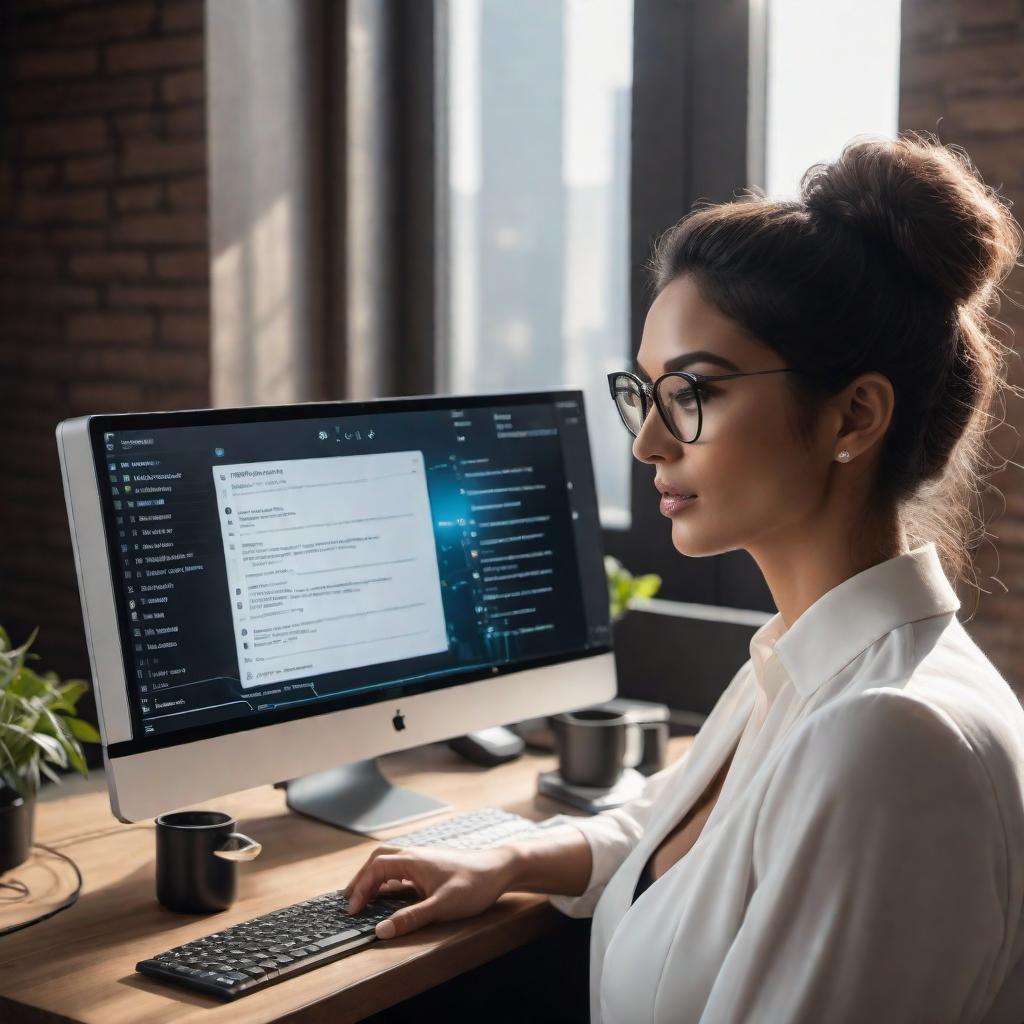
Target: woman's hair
{"x": 891, "y": 261}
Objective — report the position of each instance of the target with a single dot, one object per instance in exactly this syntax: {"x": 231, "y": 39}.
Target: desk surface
{"x": 79, "y": 965}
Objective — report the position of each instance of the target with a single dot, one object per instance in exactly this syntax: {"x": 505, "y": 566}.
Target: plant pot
{"x": 17, "y": 819}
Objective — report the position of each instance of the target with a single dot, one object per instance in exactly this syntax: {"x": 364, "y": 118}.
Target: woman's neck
{"x": 804, "y": 567}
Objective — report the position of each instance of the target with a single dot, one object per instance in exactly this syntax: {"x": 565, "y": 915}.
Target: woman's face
{"x": 754, "y": 479}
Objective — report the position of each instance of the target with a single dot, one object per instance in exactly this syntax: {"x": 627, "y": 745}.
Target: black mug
{"x": 594, "y": 745}
{"x": 197, "y": 857}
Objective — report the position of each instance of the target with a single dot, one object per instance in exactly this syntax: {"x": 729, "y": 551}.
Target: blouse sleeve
{"x": 611, "y": 836}
{"x": 880, "y": 876}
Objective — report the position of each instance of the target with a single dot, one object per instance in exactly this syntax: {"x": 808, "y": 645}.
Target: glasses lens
{"x": 630, "y": 403}
{"x": 677, "y": 397}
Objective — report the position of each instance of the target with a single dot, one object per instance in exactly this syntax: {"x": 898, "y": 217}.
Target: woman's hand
{"x": 453, "y": 883}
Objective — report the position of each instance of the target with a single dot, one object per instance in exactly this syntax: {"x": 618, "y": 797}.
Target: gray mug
{"x": 594, "y": 745}
{"x": 655, "y": 747}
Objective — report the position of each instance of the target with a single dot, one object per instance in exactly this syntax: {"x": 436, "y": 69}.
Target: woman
{"x": 844, "y": 841}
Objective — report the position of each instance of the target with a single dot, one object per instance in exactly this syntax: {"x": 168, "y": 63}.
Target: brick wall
{"x": 962, "y": 76}
{"x": 104, "y": 279}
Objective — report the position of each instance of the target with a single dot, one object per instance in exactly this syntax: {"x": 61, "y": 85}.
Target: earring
{"x": 844, "y": 455}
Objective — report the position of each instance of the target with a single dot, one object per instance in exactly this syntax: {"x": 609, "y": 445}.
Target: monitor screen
{"x": 272, "y": 563}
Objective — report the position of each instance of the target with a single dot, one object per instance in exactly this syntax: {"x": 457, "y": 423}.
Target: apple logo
{"x": 398, "y": 721}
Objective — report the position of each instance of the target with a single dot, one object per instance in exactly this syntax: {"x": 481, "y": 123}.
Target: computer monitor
{"x": 272, "y": 592}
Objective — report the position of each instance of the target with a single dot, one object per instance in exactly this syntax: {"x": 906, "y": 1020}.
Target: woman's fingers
{"x": 408, "y": 919}
{"x": 357, "y": 878}
{"x": 396, "y": 885}
{"x": 373, "y": 873}
{"x": 449, "y": 884}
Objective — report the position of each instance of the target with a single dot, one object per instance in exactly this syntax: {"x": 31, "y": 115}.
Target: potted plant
{"x": 623, "y": 587}
{"x": 39, "y": 733}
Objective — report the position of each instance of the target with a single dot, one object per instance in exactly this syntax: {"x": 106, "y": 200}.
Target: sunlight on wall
{"x": 254, "y": 347}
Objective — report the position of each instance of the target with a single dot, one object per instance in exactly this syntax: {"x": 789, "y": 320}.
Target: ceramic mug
{"x": 594, "y": 745}
{"x": 197, "y": 858}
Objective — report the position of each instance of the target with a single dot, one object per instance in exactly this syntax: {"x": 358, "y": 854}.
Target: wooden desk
{"x": 79, "y": 965}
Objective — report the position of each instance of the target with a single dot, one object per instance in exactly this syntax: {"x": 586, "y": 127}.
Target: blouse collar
{"x": 850, "y": 617}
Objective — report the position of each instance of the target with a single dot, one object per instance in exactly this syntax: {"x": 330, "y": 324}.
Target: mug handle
{"x": 634, "y": 745}
{"x": 238, "y": 847}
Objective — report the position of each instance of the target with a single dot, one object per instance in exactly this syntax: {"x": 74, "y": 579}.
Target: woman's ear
{"x": 865, "y": 407}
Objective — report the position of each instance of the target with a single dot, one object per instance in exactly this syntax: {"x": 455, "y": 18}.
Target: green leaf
{"x": 623, "y": 587}
{"x": 6, "y": 757}
{"x": 82, "y": 730}
{"x": 21, "y": 730}
{"x": 647, "y": 586}
{"x": 18, "y": 654}
{"x": 75, "y": 758}
{"x": 11, "y": 704}
{"x": 68, "y": 695}
{"x": 52, "y": 725}
{"x": 39, "y": 730}
{"x": 52, "y": 748}
{"x": 25, "y": 683}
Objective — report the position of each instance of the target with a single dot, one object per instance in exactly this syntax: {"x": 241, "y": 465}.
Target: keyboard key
{"x": 335, "y": 940}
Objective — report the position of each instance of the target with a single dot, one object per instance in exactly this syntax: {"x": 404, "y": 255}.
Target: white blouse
{"x": 865, "y": 858}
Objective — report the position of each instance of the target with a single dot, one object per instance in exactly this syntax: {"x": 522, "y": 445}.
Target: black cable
{"x": 19, "y": 887}
{"x": 70, "y": 901}
{"x": 23, "y": 891}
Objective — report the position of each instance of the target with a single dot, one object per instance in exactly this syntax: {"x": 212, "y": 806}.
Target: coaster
{"x": 586, "y": 798}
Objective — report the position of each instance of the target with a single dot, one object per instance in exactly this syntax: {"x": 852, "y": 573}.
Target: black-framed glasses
{"x": 676, "y": 395}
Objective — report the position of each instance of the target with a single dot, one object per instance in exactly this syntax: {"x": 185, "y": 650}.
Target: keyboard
{"x": 276, "y": 946}
{"x": 286, "y": 942}
{"x": 472, "y": 830}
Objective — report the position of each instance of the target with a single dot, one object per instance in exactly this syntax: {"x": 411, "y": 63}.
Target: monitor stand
{"x": 357, "y": 797}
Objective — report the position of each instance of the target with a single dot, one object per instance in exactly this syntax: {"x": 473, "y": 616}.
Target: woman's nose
{"x": 654, "y": 443}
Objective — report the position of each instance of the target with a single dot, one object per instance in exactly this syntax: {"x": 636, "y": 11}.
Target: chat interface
{"x": 330, "y": 564}
{"x": 317, "y": 564}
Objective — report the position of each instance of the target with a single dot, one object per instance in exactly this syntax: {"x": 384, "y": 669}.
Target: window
{"x": 537, "y": 197}
{"x": 821, "y": 88}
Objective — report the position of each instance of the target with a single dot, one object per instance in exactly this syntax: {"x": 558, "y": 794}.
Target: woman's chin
{"x": 694, "y": 544}
{"x": 686, "y": 544}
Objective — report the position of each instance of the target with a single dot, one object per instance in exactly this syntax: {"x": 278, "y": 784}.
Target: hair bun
{"x": 927, "y": 205}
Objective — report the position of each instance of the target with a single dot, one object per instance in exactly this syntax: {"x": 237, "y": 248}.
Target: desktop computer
{"x": 280, "y": 594}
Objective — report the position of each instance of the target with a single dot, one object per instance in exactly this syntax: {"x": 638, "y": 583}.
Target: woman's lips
{"x": 672, "y": 504}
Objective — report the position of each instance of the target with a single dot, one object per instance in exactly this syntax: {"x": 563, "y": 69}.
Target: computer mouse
{"x": 489, "y": 746}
